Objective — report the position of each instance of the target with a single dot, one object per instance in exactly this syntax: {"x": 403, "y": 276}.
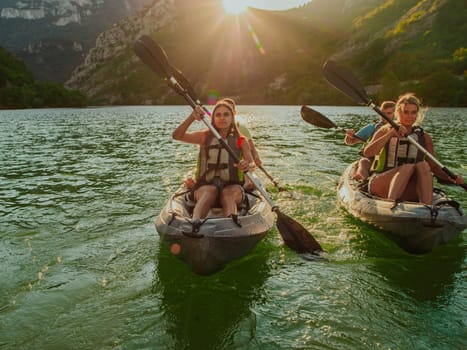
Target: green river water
{"x": 82, "y": 266}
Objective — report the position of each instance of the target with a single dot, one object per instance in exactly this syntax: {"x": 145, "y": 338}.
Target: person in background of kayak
{"x": 401, "y": 170}
{"x": 218, "y": 179}
{"x": 365, "y": 133}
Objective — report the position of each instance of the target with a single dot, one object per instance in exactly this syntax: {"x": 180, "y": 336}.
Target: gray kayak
{"x": 416, "y": 227}
{"x": 219, "y": 239}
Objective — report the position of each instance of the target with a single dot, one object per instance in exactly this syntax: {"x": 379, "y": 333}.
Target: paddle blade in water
{"x": 296, "y": 236}
{"x": 344, "y": 80}
{"x": 315, "y": 118}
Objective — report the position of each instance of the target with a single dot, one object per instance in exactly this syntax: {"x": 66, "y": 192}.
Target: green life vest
{"x": 215, "y": 162}
{"x": 398, "y": 151}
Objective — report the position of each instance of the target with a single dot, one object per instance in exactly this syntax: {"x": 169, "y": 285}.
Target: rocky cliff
{"x": 52, "y": 36}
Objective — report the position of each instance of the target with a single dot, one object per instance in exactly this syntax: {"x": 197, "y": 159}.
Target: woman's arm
{"x": 378, "y": 141}
{"x": 196, "y": 137}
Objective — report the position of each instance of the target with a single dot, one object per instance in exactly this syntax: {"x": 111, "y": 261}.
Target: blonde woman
{"x": 401, "y": 171}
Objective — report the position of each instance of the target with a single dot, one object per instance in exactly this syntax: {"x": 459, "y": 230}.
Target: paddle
{"x": 294, "y": 234}
{"x": 148, "y": 45}
{"x": 271, "y": 178}
{"x": 345, "y": 81}
{"x": 317, "y": 119}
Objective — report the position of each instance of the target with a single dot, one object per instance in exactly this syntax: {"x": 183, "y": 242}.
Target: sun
{"x": 235, "y": 7}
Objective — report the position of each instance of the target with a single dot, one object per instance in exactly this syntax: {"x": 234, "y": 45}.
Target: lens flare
{"x": 235, "y": 7}
{"x": 213, "y": 95}
{"x": 258, "y": 44}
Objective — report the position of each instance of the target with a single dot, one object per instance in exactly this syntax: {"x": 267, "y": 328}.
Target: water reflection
{"x": 426, "y": 277}
{"x": 211, "y": 312}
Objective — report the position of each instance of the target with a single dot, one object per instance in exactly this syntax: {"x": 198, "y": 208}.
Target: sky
{"x": 238, "y": 6}
{"x": 276, "y": 4}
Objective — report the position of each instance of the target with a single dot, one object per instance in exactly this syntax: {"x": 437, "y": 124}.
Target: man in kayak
{"x": 365, "y": 134}
{"x": 401, "y": 170}
{"x": 218, "y": 180}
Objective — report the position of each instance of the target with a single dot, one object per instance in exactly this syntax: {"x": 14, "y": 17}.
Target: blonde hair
{"x": 410, "y": 98}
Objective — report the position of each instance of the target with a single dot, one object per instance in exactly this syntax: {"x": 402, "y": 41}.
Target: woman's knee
{"x": 234, "y": 192}
{"x": 407, "y": 169}
{"x": 206, "y": 191}
{"x": 423, "y": 167}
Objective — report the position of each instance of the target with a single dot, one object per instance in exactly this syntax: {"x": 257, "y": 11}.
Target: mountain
{"x": 52, "y": 36}
{"x": 18, "y": 89}
{"x": 276, "y": 56}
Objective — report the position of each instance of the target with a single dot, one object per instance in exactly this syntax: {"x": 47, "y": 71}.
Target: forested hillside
{"x": 18, "y": 89}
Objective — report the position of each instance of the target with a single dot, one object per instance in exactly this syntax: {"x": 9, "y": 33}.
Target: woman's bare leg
{"x": 400, "y": 180}
{"x": 205, "y": 198}
{"x": 363, "y": 169}
{"x": 231, "y": 196}
{"x": 424, "y": 182}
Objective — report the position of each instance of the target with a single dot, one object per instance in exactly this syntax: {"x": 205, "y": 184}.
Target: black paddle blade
{"x": 158, "y": 54}
{"x": 145, "y": 55}
{"x": 315, "y": 118}
{"x": 345, "y": 81}
{"x": 155, "y": 57}
{"x": 296, "y": 236}
{"x": 184, "y": 83}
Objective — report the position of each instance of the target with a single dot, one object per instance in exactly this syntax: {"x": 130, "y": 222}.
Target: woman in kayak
{"x": 219, "y": 180}
{"x": 401, "y": 171}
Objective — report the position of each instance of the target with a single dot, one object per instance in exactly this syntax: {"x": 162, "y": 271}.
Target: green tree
{"x": 459, "y": 58}
{"x": 441, "y": 89}
{"x": 390, "y": 87}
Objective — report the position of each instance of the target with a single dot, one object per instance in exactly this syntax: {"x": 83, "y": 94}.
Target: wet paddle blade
{"x": 345, "y": 81}
{"x": 296, "y": 236}
{"x": 315, "y": 118}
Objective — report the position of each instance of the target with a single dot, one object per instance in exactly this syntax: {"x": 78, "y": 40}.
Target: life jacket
{"x": 398, "y": 151}
{"x": 376, "y": 125}
{"x": 214, "y": 161}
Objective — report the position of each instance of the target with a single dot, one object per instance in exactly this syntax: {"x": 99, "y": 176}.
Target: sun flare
{"x": 235, "y": 7}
